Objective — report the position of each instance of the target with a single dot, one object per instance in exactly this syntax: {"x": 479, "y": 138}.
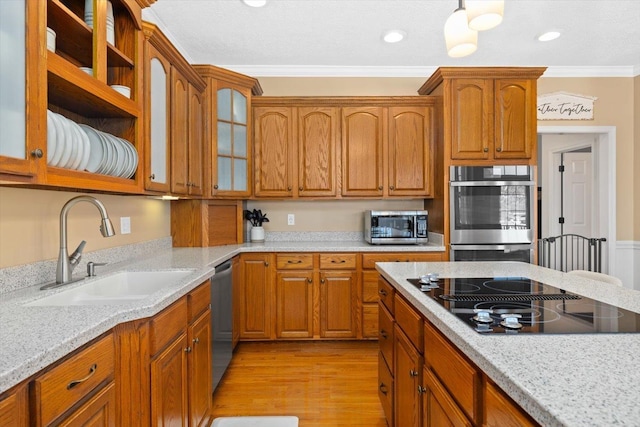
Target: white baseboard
{"x": 627, "y": 266}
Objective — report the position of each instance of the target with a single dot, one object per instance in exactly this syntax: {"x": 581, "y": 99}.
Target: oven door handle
{"x": 489, "y": 183}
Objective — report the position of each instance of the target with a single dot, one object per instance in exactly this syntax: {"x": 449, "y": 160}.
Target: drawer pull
{"x": 383, "y": 388}
{"x": 382, "y": 292}
{"x": 298, "y": 261}
{"x": 74, "y": 383}
{"x": 413, "y": 373}
{"x": 342, "y": 261}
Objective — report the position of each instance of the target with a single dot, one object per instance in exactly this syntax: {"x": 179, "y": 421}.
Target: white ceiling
{"x": 344, "y": 37}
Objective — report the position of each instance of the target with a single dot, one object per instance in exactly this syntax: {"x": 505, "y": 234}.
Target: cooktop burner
{"x": 519, "y": 305}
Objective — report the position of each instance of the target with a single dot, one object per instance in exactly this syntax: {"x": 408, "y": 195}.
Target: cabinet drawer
{"x": 385, "y": 334}
{"x": 385, "y": 389}
{"x": 198, "y": 300}
{"x": 386, "y": 294}
{"x": 167, "y": 325}
{"x": 458, "y": 376}
{"x": 69, "y": 382}
{"x": 337, "y": 261}
{"x": 410, "y": 321}
{"x": 370, "y": 286}
{"x": 294, "y": 261}
{"x": 369, "y": 260}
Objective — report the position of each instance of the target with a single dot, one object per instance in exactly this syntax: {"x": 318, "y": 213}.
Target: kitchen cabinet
{"x": 489, "y": 113}
{"x": 339, "y": 296}
{"x": 500, "y": 411}
{"x": 407, "y": 374}
{"x": 14, "y": 407}
{"x": 169, "y": 384}
{"x": 369, "y": 283}
{"x": 227, "y": 132}
{"x": 294, "y": 304}
{"x": 295, "y": 150}
{"x": 256, "y": 296}
{"x": 438, "y": 408}
{"x": 55, "y": 82}
{"x": 79, "y": 380}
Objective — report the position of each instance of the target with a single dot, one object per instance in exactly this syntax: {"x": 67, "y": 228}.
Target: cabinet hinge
{"x": 561, "y": 168}
{"x": 561, "y": 220}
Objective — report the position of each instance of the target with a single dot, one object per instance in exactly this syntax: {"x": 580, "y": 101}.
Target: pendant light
{"x": 484, "y": 14}
{"x": 461, "y": 40}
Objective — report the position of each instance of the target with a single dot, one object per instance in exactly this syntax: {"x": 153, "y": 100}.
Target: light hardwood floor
{"x": 323, "y": 383}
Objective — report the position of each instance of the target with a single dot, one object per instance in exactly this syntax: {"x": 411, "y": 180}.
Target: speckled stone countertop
{"x": 561, "y": 380}
{"x": 33, "y": 337}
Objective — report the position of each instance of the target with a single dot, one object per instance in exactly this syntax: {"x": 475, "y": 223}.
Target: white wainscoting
{"x": 628, "y": 263}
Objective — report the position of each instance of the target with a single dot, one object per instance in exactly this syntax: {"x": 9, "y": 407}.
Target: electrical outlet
{"x": 125, "y": 225}
{"x": 291, "y": 219}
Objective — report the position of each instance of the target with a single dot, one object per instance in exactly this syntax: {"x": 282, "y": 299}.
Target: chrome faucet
{"x": 67, "y": 263}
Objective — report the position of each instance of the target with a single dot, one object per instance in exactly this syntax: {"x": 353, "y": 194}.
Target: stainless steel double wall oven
{"x": 492, "y": 213}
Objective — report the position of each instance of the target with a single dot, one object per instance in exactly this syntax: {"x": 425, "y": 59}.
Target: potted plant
{"x": 256, "y": 218}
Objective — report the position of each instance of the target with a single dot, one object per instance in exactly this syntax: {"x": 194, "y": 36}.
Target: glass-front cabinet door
{"x": 21, "y": 149}
{"x": 233, "y": 156}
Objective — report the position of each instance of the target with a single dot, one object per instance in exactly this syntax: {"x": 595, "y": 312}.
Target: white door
{"x": 578, "y": 194}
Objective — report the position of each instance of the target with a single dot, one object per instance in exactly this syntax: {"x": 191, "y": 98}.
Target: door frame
{"x": 604, "y": 164}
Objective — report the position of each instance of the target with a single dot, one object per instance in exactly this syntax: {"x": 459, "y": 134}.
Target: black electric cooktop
{"x": 519, "y": 305}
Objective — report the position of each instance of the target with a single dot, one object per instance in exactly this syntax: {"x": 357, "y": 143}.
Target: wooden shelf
{"x": 86, "y": 180}
{"x": 74, "y": 90}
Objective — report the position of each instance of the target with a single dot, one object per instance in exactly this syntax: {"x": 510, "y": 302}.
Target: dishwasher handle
{"x": 223, "y": 268}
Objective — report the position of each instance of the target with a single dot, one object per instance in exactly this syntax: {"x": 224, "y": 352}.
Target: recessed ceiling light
{"x": 549, "y": 35}
{"x": 393, "y": 36}
{"x": 255, "y": 3}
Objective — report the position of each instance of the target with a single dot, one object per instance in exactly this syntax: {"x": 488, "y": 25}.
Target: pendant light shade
{"x": 484, "y": 14}
{"x": 460, "y": 39}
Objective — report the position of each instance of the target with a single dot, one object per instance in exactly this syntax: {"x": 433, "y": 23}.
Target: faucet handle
{"x": 74, "y": 258}
{"x": 91, "y": 267}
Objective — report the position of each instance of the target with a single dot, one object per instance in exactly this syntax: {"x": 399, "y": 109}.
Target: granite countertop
{"x": 561, "y": 380}
{"x": 33, "y": 337}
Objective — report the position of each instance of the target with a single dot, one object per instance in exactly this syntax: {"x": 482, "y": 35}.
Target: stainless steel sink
{"x": 118, "y": 288}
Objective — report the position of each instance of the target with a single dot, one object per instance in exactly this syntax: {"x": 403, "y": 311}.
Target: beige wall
{"x": 636, "y": 159}
{"x": 614, "y": 107}
{"x": 29, "y": 223}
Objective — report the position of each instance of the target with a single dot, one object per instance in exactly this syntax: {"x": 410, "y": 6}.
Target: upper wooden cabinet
{"x": 489, "y": 113}
{"x": 227, "y": 131}
{"x": 343, "y": 147}
{"x": 173, "y": 123}
{"x": 295, "y": 151}
{"x": 55, "y": 82}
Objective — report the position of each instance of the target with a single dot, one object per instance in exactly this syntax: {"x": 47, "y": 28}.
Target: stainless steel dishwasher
{"x": 221, "y": 321}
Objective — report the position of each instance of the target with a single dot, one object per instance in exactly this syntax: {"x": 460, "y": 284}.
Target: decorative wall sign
{"x": 565, "y": 106}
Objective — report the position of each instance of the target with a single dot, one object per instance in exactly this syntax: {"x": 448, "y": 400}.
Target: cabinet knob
{"x": 289, "y": 188}
{"x": 498, "y": 149}
{"x": 380, "y": 187}
{"x": 300, "y": 188}
{"x": 383, "y": 334}
{"x": 413, "y": 373}
{"x": 38, "y": 153}
{"x": 421, "y": 389}
{"x": 92, "y": 370}
{"x": 152, "y": 176}
{"x": 187, "y": 350}
{"x": 392, "y": 188}
{"x": 310, "y": 280}
{"x": 266, "y": 264}
{"x": 485, "y": 149}
{"x": 215, "y": 187}
{"x": 196, "y": 340}
{"x": 383, "y": 388}
{"x": 321, "y": 280}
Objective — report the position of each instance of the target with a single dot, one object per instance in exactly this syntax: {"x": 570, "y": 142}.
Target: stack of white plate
{"x": 81, "y": 147}
{"x": 88, "y": 19}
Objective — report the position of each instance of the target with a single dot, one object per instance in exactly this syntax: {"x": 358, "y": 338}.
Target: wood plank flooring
{"x": 323, "y": 383}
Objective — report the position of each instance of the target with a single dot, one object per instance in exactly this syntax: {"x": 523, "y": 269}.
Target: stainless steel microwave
{"x": 396, "y": 227}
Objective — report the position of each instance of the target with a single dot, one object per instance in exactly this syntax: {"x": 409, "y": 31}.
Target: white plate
{"x": 130, "y": 159}
{"x": 73, "y": 140}
{"x": 67, "y": 143}
{"x": 122, "y": 156}
{"x": 59, "y": 130}
{"x": 87, "y": 149}
{"x": 78, "y": 151}
{"x": 51, "y": 138}
{"x": 111, "y": 155}
{"x": 134, "y": 160}
{"x": 96, "y": 155}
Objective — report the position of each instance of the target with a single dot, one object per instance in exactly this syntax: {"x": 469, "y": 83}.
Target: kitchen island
{"x": 560, "y": 380}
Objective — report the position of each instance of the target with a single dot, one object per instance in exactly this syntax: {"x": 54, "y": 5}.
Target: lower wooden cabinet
{"x": 255, "y": 296}
{"x": 14, "y": 407}
{"x": 500, "y": 411}
{"x": 294, "y": 304}
{"x": 338, "y": 304}
{"x": 169, "y": 385}
{"x": 407, "y": 368}
{"x": 100, "y": 410}
{"x": 438, "y": 409}
{"x": 199, "y": 336}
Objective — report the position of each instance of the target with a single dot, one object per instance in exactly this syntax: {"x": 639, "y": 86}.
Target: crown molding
{"x": 383, "y": 71}
{"x": 151, "y": 16}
